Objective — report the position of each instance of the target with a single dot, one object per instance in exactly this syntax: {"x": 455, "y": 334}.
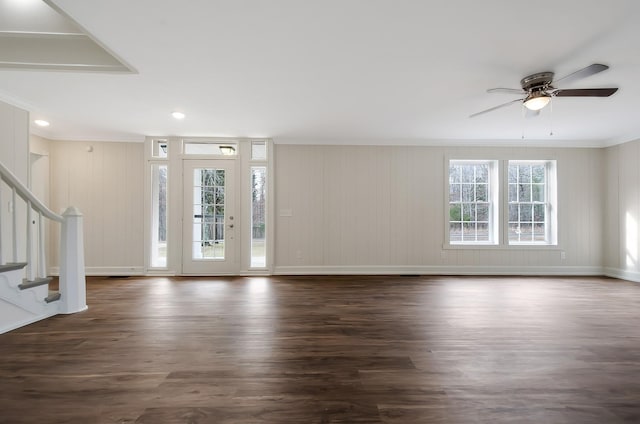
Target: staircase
{"x": 24, "y": 285}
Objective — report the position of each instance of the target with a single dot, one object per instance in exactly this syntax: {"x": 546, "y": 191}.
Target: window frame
{"x": 252, "y": 163}
{"x": 265, "y": 191}
{"x": 492, "y": 202}
{"x": 154, "y": 157}
{"x": 499, "y": 186}
{"x": 155, "y": 215}
{"x": 551, "y": 184}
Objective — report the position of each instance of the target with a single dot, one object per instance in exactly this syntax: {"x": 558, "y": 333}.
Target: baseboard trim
{"x": 393, "y": 270}
{"x": 438, "y": 270}
{"x": 622, "y": 274}
{"x": 105, "y": 271}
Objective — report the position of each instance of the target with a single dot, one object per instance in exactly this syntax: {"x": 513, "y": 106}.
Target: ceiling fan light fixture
{"x": 537, "y": 101}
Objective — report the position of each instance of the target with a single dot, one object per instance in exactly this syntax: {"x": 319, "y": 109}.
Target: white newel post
{"x": 72, "y": 278}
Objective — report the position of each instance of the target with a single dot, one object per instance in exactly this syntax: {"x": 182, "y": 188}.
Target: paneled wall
{"x": 622, "y": 211}
{"x": 14, "y": 154}
{"x": 105, "y": 181}
{"x": 347, "y": 209}
{"x": 14, "y": 140}
{"x": 376, "y": 209}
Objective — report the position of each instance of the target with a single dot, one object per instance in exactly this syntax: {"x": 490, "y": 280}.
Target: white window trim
{"x": 150, "y": 161}
{"x": 499, "y": 210}
{"x": 551, "y": 216}
{"x": 494, "y": 212}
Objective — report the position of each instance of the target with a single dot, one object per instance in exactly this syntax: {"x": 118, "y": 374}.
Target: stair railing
{"x": 72, "y": 286}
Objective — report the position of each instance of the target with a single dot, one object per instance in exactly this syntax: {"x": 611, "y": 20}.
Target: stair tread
{"x": 12, "y": 266}
{"x": 53, "y": 296}
{"x": 27, "y": 284}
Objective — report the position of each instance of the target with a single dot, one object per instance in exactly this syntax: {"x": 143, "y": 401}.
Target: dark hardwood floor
{"x": 332, "y": 350}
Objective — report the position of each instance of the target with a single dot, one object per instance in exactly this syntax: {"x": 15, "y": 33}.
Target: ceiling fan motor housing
{"x": 537, "y": 82}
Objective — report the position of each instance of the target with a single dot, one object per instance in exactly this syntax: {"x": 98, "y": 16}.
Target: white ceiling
{"x": 352, "y": 71}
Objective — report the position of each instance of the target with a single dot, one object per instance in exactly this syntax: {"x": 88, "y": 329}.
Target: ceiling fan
{"x": 538, "y": 89}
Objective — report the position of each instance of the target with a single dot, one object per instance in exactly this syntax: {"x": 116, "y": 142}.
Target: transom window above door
{"x": 216, "y": 148}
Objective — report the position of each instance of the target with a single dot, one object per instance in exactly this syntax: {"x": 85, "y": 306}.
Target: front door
{"x": 209, "y": 225}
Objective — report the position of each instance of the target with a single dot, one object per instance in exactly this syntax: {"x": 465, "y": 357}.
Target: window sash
{"x": 470, "y": 203}
{"x": 528, "y": 207}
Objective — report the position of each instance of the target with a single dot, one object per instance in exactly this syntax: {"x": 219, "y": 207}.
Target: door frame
{"x": 172, "y": 155}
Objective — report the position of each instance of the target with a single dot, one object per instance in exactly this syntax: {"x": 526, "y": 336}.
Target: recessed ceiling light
{"x": 41, "y": 123}
{"x": 178, "y": 115}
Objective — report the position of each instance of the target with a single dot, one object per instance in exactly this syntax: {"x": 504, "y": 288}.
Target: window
{"x": 258, "y": 150}
{"x": 159, "y": 215}
{"x": 258, "y": 216}
{"x": 210, "y": 148}
{"x": 160, "y": 148}
{"x": 470, "y": 202}
{"x": 530, "y": 213}
{"x": 209, "y": 213}
{"x": 526, "y": 209}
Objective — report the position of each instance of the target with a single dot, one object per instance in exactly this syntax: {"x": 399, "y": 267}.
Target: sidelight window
{"x": 158, "y": 215}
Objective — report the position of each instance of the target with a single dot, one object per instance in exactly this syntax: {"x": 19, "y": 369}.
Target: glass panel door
{"x": 209, "y": 226}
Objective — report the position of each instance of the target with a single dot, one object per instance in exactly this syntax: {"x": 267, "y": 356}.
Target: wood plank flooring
{"x": 392, "y": 350}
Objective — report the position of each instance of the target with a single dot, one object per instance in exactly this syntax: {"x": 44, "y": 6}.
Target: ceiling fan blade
{"x": 582, "y": 73}
{"x": 495, "y": 107}
{"x": 586, "y": 92}
{"x": 507, "y": 90}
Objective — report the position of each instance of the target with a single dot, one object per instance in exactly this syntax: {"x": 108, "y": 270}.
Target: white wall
{"x": 14, "y": 154}
{"x": 39, "y": 184}
{"x": 622, "y": 211}
{"x": 105, "y": 181}
{"x": 372, "y": 209}
{"x": 14, "y": 140}
{"x": 353, "y": 209}
{"x": 39, "y": 176}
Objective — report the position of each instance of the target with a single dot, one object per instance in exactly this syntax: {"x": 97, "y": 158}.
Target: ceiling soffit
{"x": 37, "y": 35}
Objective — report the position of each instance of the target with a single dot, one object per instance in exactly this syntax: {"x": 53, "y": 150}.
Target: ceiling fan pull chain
{"x": 524, "y": 111}
{"x": 551, "y": 116}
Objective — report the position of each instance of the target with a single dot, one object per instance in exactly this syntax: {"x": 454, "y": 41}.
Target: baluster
{"x": 14, "y": 225}
{"x": 42, "y": 263}
{"x": 30, "y": 267}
